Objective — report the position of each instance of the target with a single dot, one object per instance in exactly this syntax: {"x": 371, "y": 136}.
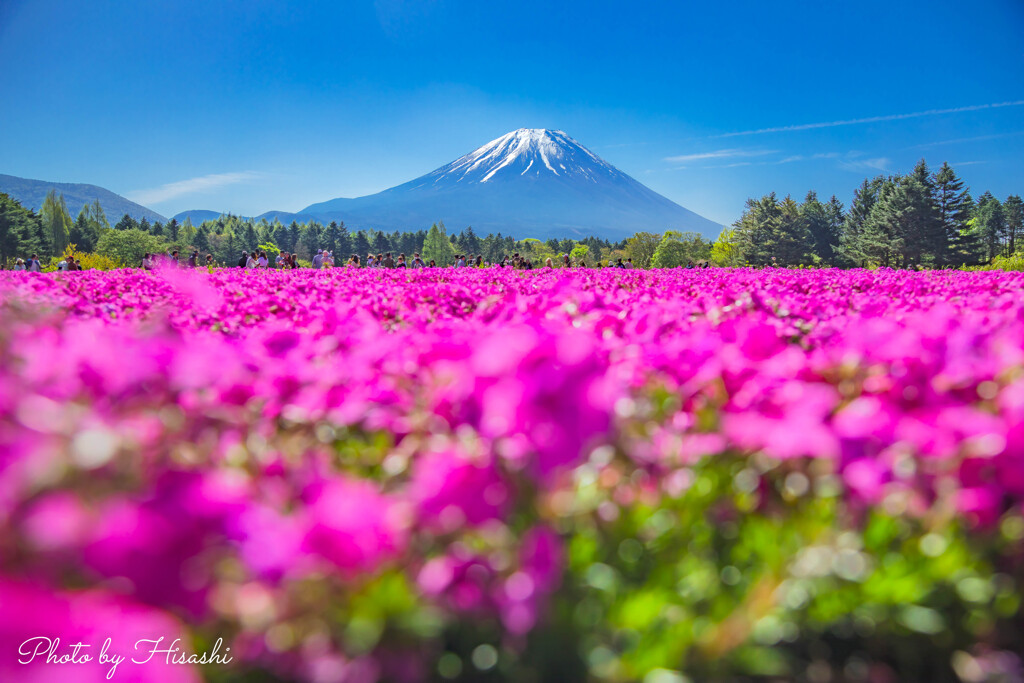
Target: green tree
{"x": 924, "y": 237}
{"x": 20, "y": 232}
{"x": 126, "y": 223}
{"x": 756, "y": 230}
{"x": 853, "y": 242}
{"x": 338, "y": 240}
{"x": 202, "y": 239}
{"x": 792, "y": 243}
{"x": 641, "y": 247}
{"x": 293, "y": 237}
{"x": 726, "y": 250}
{"x": 85, "y": 232}
{"x": 97, "y": 217}
{"x": 493, "y": 245}
{"x": 824, "y": 231}
{"x": 1013, "y": 209}
{"x": 313, "y": 238}
{"x": 954, "y": 204}
{"x": 172, "y": 230}
{"x": 56, "y": 220}
{"x": 469, "y": 243}
{"x": 437, "y": 247}
{"x": 678, "y": 248}
{"x": 360, "y": 245}
{"x": 381, "y": 243}
{"x": 127, "y": 247}
{"x": 187, "y": 234}
{"x": 250, "y": 240}
{"x": 990, "y": 224}
{"x": 580, "y": 254}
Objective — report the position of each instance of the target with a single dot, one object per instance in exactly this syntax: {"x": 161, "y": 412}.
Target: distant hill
{"x": 31, "y": 194}
{"x": 198, "y": 216}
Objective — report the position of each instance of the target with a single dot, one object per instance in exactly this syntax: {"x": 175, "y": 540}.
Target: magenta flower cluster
{"x": 192, "y": 454}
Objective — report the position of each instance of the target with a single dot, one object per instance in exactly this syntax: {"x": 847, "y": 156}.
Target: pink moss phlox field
{"x": 235, "y": 450}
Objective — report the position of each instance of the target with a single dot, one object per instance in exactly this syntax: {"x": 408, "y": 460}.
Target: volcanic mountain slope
{"x": 527, "y": 183}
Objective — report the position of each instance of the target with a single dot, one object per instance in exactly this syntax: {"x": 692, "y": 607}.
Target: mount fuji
{"x": 528, "y": 183}
{"x": 532, "y": 182}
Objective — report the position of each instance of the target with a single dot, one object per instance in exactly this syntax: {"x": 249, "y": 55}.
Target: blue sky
{"x": 251, "y": 106}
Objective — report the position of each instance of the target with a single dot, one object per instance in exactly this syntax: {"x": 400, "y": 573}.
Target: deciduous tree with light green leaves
{"x": 679, "y": 248}
{"x": 56, "y": 221}
{"x": 641, "y": 247}
{"x": 127, "y": 247}
{"x": 580, "y": 254}
{"x": 726, "y": 252}
{"x": 437, "y": 247}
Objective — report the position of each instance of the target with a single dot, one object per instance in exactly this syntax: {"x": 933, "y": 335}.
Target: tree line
{"x": 921, "y": 219}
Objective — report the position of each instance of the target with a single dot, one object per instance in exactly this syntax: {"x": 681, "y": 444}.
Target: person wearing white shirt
{"x": 263, "y": 262}
{"x": 63, "y": 265}
{"x": 252, "y": 262}
{"x": 370, "y": 263}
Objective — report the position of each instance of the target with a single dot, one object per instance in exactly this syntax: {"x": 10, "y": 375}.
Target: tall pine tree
{"x": 953, "y": 202}
{"x": 1013, "y": 208}
{"x": 990, "y": 225}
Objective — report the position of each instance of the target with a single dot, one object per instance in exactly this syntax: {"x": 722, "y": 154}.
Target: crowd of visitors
{"x": 325, "y": 259}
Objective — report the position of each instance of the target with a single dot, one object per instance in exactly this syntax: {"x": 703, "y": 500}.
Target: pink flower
{"x": 450, "y": 488}
{"x": 354, "y": 526}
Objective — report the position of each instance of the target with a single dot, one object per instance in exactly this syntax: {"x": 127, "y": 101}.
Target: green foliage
{"x": 437, "y": 247}
{"x": 580, "y": 254}
{"x": 127, "y": 247}
{"x": 56, "y": 220}
{"x": 1014, "y": 262}
{"x": 129, "y": 223}
{"x": 990, "y": 225}
{"x": 85, "y": 260}
{"x": 756, "y": 567}
{"x": 641, "y": 247}
{"x": 21, "y": 232}
{"x": 726, "y": 250}
{"x": 1013, "y": 209}
{"x": 679, "y": 248}
{"x": 534, "y": 250}
{"x": 270, "y": 248}
{"x": 187, "y": 235}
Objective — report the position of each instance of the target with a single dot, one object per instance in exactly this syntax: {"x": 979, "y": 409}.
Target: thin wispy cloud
{"x": 720, "y": 154}
{"x": 870, "y": 119}
{"x": 860, "y": 165}
{"x": 180, "y": 188}
{"x": 956, "y": 141}
{"x": 808, "y": 157}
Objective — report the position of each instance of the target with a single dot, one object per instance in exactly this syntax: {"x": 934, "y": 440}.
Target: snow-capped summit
{"x": 527, "y": 151}
{"x": 531, "y": 182}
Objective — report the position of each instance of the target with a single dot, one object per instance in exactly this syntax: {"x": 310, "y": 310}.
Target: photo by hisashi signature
{"x": 46, "y": 650}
